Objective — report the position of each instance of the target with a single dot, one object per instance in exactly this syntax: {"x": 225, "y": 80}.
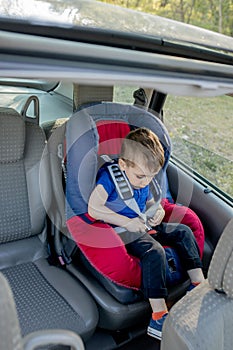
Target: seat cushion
{"x": 47, "y": 297}
{"x": 106, "y": 252}
{"x": 9, "y": 326}
{"x": 113, "y": 315}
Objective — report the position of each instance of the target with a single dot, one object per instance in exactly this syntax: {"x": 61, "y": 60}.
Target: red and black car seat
{"x": 92, "y": 131}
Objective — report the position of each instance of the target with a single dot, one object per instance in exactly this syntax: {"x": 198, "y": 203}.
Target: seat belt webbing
{"x": 125, "y": 192}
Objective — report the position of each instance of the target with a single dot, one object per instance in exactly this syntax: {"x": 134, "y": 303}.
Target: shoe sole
{"x": 154, "y": 333}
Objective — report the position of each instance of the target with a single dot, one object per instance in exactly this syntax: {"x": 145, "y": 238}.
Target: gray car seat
{"x": 203, "y": 319}
{"x": 46, "y": 296}
{"x": 10, "y": 334}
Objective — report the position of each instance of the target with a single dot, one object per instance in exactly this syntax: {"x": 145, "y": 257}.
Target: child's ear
{"x": 121, "y": 164}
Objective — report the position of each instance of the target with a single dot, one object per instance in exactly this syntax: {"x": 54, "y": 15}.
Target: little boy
{"x": 141, "y": 158}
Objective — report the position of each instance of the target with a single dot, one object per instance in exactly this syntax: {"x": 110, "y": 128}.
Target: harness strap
{"x": 125, "y": 191}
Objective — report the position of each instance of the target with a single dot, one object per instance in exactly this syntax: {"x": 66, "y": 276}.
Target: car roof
{"x": 87, "y": 15}
{"x": 79, "y": 41}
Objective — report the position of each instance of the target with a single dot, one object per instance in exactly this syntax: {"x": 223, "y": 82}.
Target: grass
{"x": 201, "y": 130}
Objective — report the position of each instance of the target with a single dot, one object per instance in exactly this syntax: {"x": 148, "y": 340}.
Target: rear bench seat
{"x": 46, "y": 296}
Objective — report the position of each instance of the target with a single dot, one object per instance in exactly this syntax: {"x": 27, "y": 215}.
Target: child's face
{"x": 139, "y": 175}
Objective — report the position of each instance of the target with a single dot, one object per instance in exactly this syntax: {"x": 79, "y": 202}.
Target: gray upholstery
{"x": 10, "y": 336}
{"x": 91, "y": 93}
{"x": 22, "y": 144}
{"x": 220, "y": 273}
{"x": 32, "y": 291}
{"x": 10, "y": 333}
{"x": 203, "y": 319}
{"x": 55, "y": 132}
{"x": 46, "y": 296}
{"x": 12, "y": 138}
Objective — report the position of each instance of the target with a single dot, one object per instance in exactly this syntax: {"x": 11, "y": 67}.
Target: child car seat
{"x": 119, "y": 307}
{"x": 101, "y": 246}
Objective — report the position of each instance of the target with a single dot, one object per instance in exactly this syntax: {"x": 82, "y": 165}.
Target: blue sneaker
{"x": 155, "y": 327}
{"x": 191, "y": 287}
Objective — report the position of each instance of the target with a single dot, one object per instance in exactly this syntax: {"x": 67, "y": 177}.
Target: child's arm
{"x": 159, "y": 214}
{"x": 98, "y": 210}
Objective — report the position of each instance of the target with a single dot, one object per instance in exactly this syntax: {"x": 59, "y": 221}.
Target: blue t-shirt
{"x": 114, "y": 201}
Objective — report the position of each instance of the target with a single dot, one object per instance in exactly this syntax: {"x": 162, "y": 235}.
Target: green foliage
{"x": 201, "y": 133}
{"x": 216, "y": 15}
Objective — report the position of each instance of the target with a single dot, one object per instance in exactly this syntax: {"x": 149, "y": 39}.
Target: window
{"x": 201, "y": 133}
{"x": 124, "y": 94}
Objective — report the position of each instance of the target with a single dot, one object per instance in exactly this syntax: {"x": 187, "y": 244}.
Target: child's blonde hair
{"x": 142, "y": 143}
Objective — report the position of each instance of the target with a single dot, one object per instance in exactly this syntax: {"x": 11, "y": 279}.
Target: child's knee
{"x": 158, "y": 254}
{"x": 185, "y": 231}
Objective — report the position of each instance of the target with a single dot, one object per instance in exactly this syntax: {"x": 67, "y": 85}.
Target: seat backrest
{"x": 221, "y": 267}
{"x": 203, "y": 318}
{"x": 24, "y": 197}
{"x": 22, "y": 169}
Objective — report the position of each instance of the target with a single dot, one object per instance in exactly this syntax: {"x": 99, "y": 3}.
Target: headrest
{"x": 111, "y": 133}
{"x": 84, "y": 94}
{"x": 133, "y": 116}
{"x": 12, "y": 135}
{"x": 221, "y": 267}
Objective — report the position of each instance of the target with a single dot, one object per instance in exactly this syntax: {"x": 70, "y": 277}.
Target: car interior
{"x": 75, "y": 77}
{"x": 54, "y": 285}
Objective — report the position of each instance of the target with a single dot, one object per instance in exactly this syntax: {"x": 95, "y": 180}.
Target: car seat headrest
{"x": 221, "y": 267}
{"x": 133, "y": 116}
{"x": 111, "y": 134}
{"x": 90, "y": 93}
{"x": 12, "y": 135}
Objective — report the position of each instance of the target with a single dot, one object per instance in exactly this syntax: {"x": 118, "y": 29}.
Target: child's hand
{"x": 135, "y": 225}
{"x": 158, "y": 217}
